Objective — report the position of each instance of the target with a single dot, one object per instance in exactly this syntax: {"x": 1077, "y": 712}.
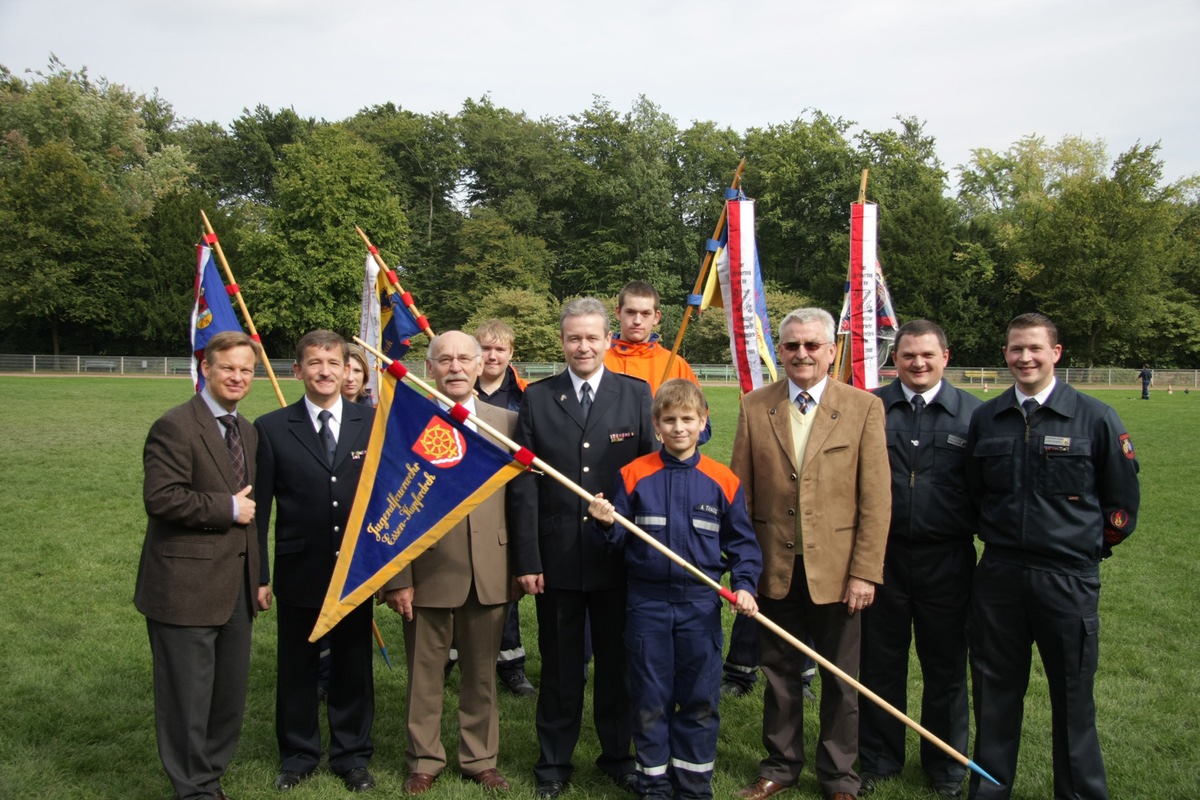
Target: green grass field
{"x": 76, "y": 715}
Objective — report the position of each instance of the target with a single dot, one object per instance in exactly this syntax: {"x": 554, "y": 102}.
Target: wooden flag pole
{"x": 839, "y": 360}
{"x": 395, "y": 283}
{"x": 701, "y": 278}
{"x": 212, "y": 239}
{"x": 525, "y": 457}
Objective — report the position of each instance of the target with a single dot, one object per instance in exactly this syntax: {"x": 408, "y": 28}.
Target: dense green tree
{"x": 305, "y": 268}
{"x": 804, "y": 174}
{"x": 66, "y": 247}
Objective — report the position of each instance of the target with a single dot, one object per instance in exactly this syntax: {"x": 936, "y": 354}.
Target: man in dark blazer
{"x": 587, "y": 423}
{"x": 198, "y": 578}
{"x": 310, "y": 456}
{"x": 812, "y": 457}
{"x": 457, "y": 591}
{"x": 927, "y": 573}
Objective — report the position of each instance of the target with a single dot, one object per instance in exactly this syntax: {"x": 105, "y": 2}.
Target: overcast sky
{"x": 980, "y": 73}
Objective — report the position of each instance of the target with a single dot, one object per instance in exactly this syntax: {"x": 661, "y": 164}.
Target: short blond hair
{"x": 678, "y": 393}
{"x": 496, "y": 330}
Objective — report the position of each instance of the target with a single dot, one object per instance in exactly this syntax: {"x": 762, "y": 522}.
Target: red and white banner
{"x": 864, "y": 353}
{"x": 737, "y": 275}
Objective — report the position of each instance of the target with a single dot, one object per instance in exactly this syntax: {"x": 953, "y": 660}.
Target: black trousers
{"x": 350, "y": 703}
{"x": 1014, "y": 607}
{"x": 561, "y": 637}
{"x": 926, "y": 594}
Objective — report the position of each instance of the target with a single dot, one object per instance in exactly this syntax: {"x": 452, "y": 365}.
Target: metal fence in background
{"x": 180, "y": 366}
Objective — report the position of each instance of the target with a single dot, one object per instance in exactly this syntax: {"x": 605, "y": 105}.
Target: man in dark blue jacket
{"x": 926, "y": 587}
{"x": 1054, "y": 474}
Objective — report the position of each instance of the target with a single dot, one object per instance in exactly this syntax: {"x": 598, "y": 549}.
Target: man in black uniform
{"x": 586, "y": 422}
{"x": 1055, "y": 477}
{"x": 930, "y": 558}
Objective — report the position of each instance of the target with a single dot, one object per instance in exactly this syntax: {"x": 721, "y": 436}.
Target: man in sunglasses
{"x": 812, "y": 457}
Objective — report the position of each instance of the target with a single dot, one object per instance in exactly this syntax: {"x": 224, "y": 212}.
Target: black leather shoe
{"x": 869, "y": 781}
{"x": 517, "y": 683}
{"x": 358, "y": 780}
{"x": 735, "y": 689}
{"x": 627, "y": 781}
{"x": 286, "y": 779}
{"x": 549, "y": 790}
{"x": 951, "y": 790}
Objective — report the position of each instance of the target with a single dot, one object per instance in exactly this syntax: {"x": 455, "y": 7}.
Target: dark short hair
{"x": 227, "y": 340}
{"x": 584, "y": 307}
{"x": 322, "y": 340}
{"x": 1033, "y": 320}
{"x": 678, "y": 393}
{"x": 922, "y": 327}
{"x": 638, "y": 289}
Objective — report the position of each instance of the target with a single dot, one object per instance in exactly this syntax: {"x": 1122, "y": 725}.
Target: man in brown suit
{"x": 197, "y": 581}
{"x": 456, "y": 592}
{"x": 812, "y": 457}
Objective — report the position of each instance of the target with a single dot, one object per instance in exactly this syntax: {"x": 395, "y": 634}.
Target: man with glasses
{"x": 812, "y": 457}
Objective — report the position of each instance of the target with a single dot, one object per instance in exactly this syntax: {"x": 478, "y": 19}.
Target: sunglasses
{"x": 812, "y": 347}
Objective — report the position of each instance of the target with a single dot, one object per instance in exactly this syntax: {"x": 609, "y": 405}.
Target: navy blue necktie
{"x": 327, "y": 440}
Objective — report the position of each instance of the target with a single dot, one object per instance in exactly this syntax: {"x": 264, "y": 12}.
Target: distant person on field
{"x": 695, "y": 507}
{"x": 198, "y": 579}
{"x": 926, "y": 589}
{"x": 1054, "y": 475}
{"x": 1146, "y": 376}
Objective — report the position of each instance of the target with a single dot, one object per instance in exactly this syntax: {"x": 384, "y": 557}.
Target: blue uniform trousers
{"x": 675, "y": 681}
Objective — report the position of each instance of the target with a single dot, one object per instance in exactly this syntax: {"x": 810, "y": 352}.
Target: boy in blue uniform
{"x": 695, "y": 507}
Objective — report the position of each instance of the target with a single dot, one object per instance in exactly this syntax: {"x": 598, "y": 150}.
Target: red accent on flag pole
{"x": 524, "y": 457}
{"x": 459, "y": 412}
{"x": 407, "y": 298}
{"x": 256, "y": 337}
{"x": 232, "y": 290}
{"x": 374, "y": 250}
{"x": 858, "y": 375}
{"x": 397, "y": 370}
{"x": 391, "y": 276}
{"x": 728, "y": 595}
{"x": 210, "y": 238}
{"x": 422, "y": 323}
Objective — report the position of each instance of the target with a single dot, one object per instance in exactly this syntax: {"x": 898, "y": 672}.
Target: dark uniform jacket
{"x": 550, "y": 525}
{"x": 1058, "y": 490}
{"x": 312, "y": 500}
{"x": 929, "y": 482}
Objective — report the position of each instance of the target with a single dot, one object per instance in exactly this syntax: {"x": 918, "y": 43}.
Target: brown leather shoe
{"x": 761, "y": 789}
{"x": 841, "y": 796}
{"x": 419, "y": 782}
{"x": 490, "y": 779}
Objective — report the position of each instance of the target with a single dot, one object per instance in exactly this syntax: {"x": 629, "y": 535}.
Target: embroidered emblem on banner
{"x": 440, "y": 444}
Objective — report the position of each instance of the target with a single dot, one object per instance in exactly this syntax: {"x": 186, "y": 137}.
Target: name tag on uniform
{"x": 1057, "y": 444}
{"x": 957, "y": 441}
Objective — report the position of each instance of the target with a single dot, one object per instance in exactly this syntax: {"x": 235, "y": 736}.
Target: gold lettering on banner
{"x": 404, "y": 504}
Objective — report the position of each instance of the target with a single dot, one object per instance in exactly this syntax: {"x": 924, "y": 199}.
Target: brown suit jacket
{"x": 194, "y": 558}
{"x": 844, "y": 495}
{"x": 477, "y": 553}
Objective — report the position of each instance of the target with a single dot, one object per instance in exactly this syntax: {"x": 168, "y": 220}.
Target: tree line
{"x": 490, "y": 213}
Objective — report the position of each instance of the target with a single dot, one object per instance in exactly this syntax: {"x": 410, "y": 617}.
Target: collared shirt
{"x": 815, "y": 392}
{"x": 577, "y": 382}
{"x": 1041, "y": 396}
{"x": 219, "y": 411}
{"x": 469, "y": 405}
{"x": 335, "y": 420}
{"x": 909, "y": 394}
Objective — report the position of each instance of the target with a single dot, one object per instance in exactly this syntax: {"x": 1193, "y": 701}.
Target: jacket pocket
{"x": 996, "y": 463}
{"x": 1067, "y": 470}
{"x": 201, "y": 550}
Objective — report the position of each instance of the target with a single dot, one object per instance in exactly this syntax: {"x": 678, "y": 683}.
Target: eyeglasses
{"x": 812, "y": 347}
